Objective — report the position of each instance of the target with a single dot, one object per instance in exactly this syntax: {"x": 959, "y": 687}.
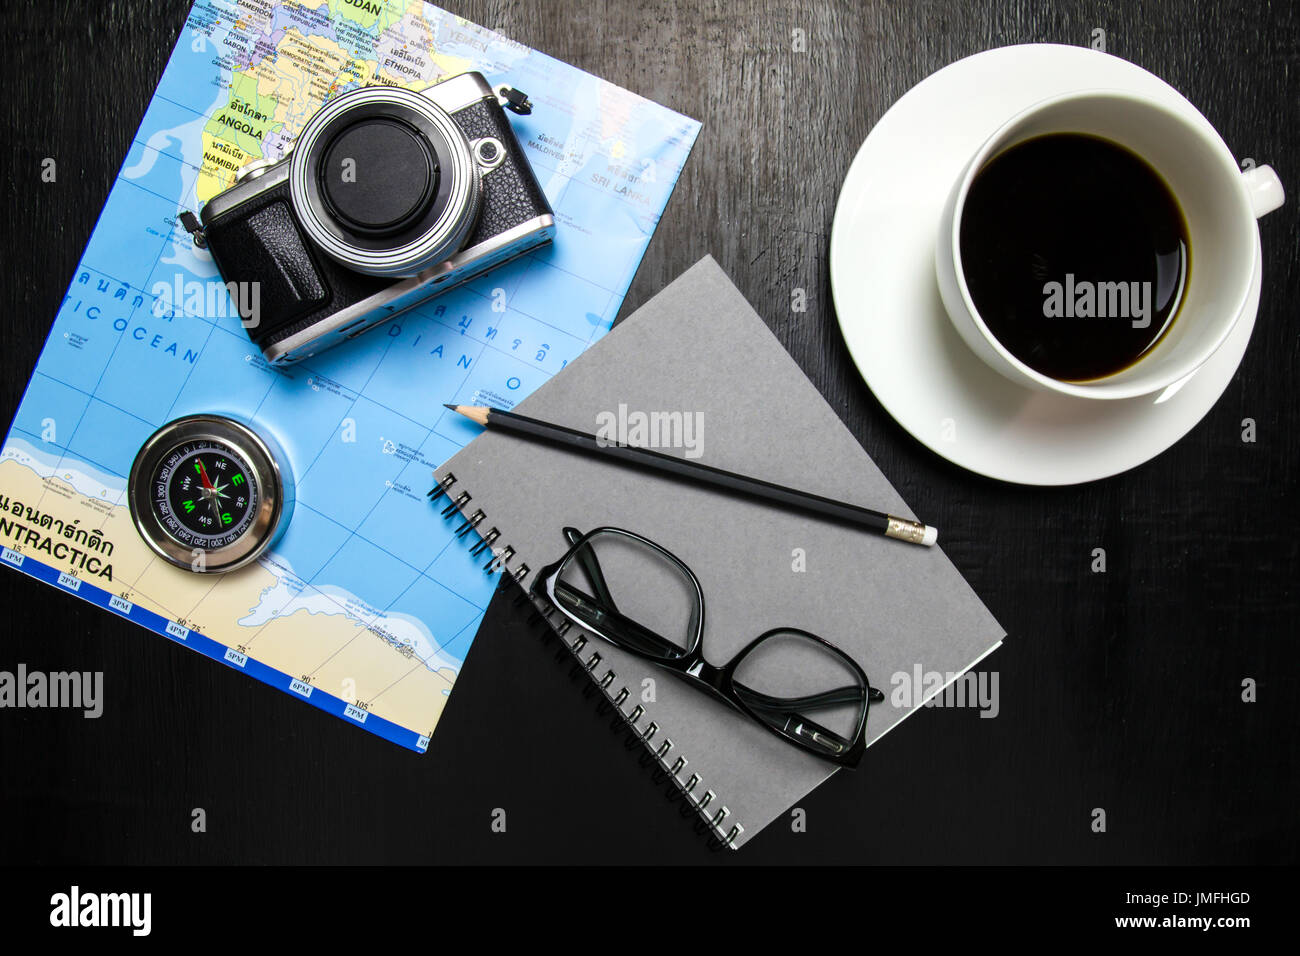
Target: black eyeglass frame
{"x": 689, "y": 664}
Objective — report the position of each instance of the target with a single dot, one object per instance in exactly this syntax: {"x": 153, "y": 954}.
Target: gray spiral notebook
{"x": 698, "y": 348}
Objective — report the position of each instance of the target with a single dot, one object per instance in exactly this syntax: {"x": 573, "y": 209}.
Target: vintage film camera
{"x": 386, "y": 199}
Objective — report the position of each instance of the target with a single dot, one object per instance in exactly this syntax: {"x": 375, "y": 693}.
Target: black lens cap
{"x": 378, "y": 176}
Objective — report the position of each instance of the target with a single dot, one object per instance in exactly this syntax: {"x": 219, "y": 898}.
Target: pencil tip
{"x": 450, "y": 407}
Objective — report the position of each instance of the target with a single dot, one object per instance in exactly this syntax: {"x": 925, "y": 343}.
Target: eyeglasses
{"x": 778, "y": 679}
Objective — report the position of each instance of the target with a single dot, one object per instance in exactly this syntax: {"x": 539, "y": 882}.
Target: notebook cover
{"x": 698, "y": 346}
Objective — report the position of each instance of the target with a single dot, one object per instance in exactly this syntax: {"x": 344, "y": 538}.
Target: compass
{"x": 209, "y": 494}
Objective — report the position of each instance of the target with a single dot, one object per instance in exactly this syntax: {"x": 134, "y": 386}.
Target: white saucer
{"x": 887, "y": 297}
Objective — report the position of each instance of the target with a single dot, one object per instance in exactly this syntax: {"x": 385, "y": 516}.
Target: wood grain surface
{"x": 1119, "y": 690}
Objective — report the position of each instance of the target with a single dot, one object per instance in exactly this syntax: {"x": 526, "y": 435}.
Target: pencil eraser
{"x": 931, "y": 536}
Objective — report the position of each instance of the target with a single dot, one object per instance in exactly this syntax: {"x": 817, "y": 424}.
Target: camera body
{"x": 387, "y": 198}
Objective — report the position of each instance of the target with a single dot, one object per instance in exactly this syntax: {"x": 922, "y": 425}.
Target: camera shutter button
{"x": 378, "y": 176}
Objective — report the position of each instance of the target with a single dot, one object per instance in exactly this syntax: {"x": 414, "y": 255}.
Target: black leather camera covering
{"x": 511, "y": 194}
{"x": 260, "y": 242}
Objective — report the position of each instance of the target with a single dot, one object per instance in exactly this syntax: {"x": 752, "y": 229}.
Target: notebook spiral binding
{"x": 658, "y": 750}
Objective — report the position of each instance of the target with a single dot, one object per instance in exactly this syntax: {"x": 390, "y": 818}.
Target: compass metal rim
{"x": 264, "y": 463}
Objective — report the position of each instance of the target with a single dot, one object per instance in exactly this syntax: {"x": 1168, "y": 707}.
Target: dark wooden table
{"x": 1120, "y": 690}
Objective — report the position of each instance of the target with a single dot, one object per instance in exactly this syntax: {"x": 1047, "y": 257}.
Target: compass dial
{"x": 207, "y": 493}
{"x": 204, "y": 495}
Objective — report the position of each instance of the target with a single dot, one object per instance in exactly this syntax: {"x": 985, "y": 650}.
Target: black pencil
{"x": 891, "y": 526}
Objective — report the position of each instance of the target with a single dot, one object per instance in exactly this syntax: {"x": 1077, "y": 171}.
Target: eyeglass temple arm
{"x": 651, "y": 643}
{"x": 789, "y": 708}
{"x": 804, "y": 726}
{"x": 829, "y": 698}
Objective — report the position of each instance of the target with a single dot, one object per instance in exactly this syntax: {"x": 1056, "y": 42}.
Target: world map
{"x": 367, "y": 605}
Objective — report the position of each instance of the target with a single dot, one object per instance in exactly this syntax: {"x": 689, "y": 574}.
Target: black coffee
{"x": 1075, "y": 253}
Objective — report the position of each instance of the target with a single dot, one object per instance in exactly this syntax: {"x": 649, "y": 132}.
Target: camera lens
{"x": 378, "y": 176}
{"x": 383, "y": 181}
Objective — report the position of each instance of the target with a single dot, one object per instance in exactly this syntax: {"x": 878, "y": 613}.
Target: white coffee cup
{"x": 1220, "y": 203}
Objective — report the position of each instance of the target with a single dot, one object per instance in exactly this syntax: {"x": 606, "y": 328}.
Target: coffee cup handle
{"x": 1264, "y": 189}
